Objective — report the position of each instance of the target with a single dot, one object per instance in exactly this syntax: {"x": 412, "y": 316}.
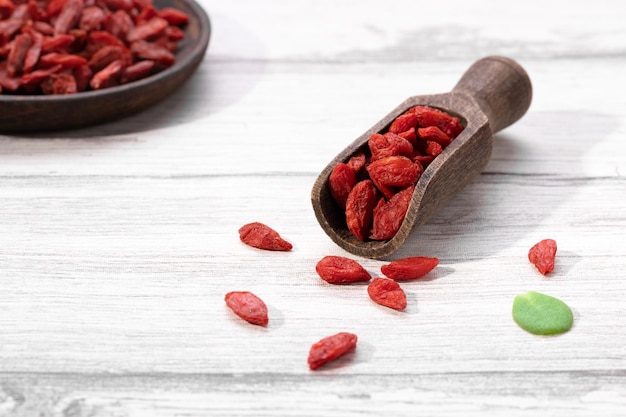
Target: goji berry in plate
{"x": 247, "y": 306}
{"x": 56, "y": 39}
{"x": 331, "y": 348}
{"x": 543, "y": 255}
{"x": 341, "y": 270}
{"x": 387, "y": 292}
{"x": 413, "y": 267}
{"x": 261, "y": 236}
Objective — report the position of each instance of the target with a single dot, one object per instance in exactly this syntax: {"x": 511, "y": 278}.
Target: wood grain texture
{"x": 117, "y": 244}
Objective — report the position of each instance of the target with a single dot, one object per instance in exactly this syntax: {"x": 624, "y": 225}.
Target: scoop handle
{"x": 501, "y": 88}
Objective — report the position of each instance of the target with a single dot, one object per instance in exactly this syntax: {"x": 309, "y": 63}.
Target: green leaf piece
{"x": 542, "y": 314}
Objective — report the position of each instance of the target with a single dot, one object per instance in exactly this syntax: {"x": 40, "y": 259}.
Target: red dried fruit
{"x": 403, "y": 122}
{"x": 153, "y": 52}
{"x": 6, "y": 8}
{"x": 388, "y": 217}
{"x": 542, "y": 255}
{"x": 360, "y": 208}
{"x": 433, "y": 133}
{"x": 331, "y": 348}
{"x": 65, "y": 60}
{"x": 15, "y": 60}
{"x": 341, "y": 270}
{"x": 409, "y": 268}
{"x": 137, "y": 71}
{"x": 341, "y": 181}
{"x": 394, "y": 171}
{"x": 173, "y": 16}
{"x": 92, "y": 18}
{"x": 247, "y": 306}
{"x": 389, "y": 144}
{"x": 147, "y": 30}
{"x": 69, "y": 16}
{"x": 433, "y": 148}
{"x": 357, "y": 162}
{"x": 108, "y": 76}
{"x": 261, "y": 236}
{"x": 429, "y": 116}
{"x": 59, "y": 84}
{"x": 388, "y": 293}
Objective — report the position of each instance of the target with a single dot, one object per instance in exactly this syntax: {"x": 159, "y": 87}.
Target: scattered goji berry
{"x": 331, "y": 348}
{"x": 543, "y": 255}
{"x": 261, "y": 236}
{"x": 341, "y": 270}
{"x": 247, "y": 306}
{"x": 409, "y": 268}
{"x": 387, "y": 292}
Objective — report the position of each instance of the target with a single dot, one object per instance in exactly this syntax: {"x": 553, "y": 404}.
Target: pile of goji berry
{"x": 374, "y": 187}
{"x": 68, "y": 46}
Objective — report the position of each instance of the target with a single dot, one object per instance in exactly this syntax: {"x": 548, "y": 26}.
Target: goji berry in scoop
{"x": 261, "y": 236}
{"x": 389, "y": 215}
{"x": 360, "y": 208}
{"x": 247, "y": 306}
{"x": 387, "y": 292}
{"x": 331, "y": 348}
{"x": 394, "y": 161}
{"x": 341, "y": 270}
{"x": 543, "y": 255}
{"x": 341, "y": 181}
{"x": 409, "y": 268}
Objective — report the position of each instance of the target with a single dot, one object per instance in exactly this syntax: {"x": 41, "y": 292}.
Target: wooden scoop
{"x": 492, "y": 94}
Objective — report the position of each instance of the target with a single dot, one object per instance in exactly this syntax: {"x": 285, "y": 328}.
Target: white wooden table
{"x": 118, "y": 242}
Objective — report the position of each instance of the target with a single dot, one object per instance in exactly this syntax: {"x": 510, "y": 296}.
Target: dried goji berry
{"x": 543, "y": 255}
{"x": 388, "y": 217}
{"x": 69, "y": 16}
{"x": 6, "y": 8}
{"x": 389, "y": 144}
{"x": 409, "y": 268}
{"x": 341, "y": 181}
{"x": 248, "y": 306}
{"x": 15, "y": 60}
{"x": 331, "y": 348}
{"x": 429, "y": 116}
{"x": 147, "y": 30}
{"x": 261, "y": 236}
{"x": 387, "y": 292}
{"x": 62, "y": 83}
{"x": 403, "y": 122}
{"x": 360, "y": 208}
{"x": 65, "y": 60}
{"x": 357, "y": 161}
{"x": 153, "y": 52}
{"x": 173, "y": 16}
{"x": 394, "y": 171}
{"x": 137, "y": 71}
{"x": 341, "y": 270}
{"x": 433, "y": 133}
{"x": 108, "y": 76}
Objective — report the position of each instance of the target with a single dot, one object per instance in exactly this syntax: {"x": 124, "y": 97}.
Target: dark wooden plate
{"x": 23, "y": 113}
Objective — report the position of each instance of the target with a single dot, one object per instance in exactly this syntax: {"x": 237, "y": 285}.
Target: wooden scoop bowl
{"x": 492, "y": 94}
